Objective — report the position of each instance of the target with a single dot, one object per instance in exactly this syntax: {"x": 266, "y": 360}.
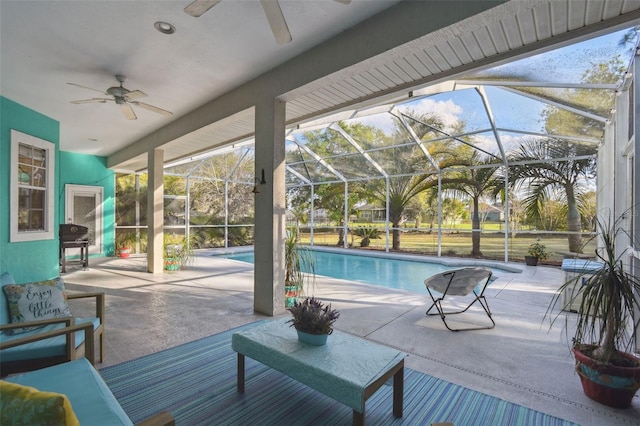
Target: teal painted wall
{"x": 38, "y": 260}
{"x": 80, "y": 169}
{"x": 29, "y": 260}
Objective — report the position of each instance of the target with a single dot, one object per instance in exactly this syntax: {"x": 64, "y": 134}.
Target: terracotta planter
{"x": 608, "y": 384}
{"x": 171, "y": 264}
{"x": 312, "y": 339}
{"x": 531, "y": 260}
{"x": 124, "y": 252}
{"x": 291, "y": 294}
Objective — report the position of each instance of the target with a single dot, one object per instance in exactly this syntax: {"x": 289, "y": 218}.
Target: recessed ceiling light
{"x": 165, "y": 27}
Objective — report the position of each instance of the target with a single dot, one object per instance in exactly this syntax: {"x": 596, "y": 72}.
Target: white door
{"x": 84, "y": 207}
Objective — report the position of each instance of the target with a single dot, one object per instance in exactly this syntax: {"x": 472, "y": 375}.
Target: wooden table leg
{"x": 240, "y": 373}
{"x": 358, "y": 418}
{"x": 398, "y": 392}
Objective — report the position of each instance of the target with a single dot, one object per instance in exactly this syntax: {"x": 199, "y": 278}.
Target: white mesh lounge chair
{"x": 460, "y": 282}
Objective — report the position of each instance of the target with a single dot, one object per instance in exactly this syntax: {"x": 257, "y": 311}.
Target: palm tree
{"x": 538, "y": 181}
{"x": 400, "y": 164}
{"x": 475, "y": 183}
{"x": 402, "y": 190}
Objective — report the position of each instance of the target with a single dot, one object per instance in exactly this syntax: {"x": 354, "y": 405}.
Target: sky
{"x": 565, "y": 65}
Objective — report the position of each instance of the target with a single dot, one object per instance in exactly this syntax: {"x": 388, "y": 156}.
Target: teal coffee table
{"x": 348, "y": 369}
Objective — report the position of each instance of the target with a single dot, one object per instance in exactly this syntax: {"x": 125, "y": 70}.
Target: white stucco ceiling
{"x": 46, "y": 44}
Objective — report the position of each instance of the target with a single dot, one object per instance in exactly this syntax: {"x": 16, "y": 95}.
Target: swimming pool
{"x": 383, "y": 271}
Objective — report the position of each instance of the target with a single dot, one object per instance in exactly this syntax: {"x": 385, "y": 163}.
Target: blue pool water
{"x": 393, "y": 273}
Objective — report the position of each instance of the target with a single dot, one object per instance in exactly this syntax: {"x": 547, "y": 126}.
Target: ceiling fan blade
{"x": 153, "y": 108}
{"x": 128, "y": 111}
{"x": 344, "y": 1}
{"x": 90, "y": 88}
{"x": 135, "y": 94}
{"x": 87, "y": 101}
{"x": 276, "y": 20}
{"x": 199, "y": 7}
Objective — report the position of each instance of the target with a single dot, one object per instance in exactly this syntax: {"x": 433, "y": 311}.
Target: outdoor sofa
{"x": 70, "y": 393}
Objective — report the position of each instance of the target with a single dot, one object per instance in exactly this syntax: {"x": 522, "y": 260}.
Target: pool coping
{"x": 450, "y": 262}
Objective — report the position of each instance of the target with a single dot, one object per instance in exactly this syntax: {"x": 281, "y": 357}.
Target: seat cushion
{"x": 27, "y": 405}
{"x": 36, "y": 301}
{"x": 54, "y": 346}
{"x": 91, "y": 399}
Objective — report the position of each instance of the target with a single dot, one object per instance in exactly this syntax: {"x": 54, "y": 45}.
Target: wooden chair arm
{"x": 161, "y": 419}
{"x": 89, "y": 351}
{"x": 69, "y": 321}
{"x": 83, "y": 295}
{"x": 99, "y": 296}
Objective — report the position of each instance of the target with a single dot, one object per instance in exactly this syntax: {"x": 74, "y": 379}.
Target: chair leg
{"x": 435, "y": 301}
{"x": 101, "y": 347}
{"x": 442, "y": 313}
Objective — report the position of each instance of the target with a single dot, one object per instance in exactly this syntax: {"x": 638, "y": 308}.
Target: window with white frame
{"x": 32, "y": 186}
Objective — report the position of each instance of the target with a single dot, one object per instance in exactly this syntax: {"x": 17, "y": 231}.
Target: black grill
{"x": 73, "y": 233}
{"x": 74, "y": 236}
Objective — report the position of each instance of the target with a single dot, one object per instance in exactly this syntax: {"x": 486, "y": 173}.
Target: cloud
{"x": 510, "y": 142}
{"x": 448, "y": 111}
{"x": 383, "y": 121}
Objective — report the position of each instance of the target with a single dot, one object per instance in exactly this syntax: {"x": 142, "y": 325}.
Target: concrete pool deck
{"x": 521, "y": 360}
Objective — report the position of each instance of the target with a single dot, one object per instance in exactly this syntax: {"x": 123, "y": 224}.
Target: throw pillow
{"x": 24, "y": 405}
{"x": 36, "y": 301}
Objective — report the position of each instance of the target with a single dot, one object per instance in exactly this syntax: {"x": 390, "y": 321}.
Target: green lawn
{"x": 459, "y": 244}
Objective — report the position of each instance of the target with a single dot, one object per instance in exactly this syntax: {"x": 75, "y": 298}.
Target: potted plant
{"x": 605, "y": 329}
{"x": 124, "y": 243}
{"x": 313, "y": 320}
{"x": 177, "y": 252}
{"x": 298, "y": 269}
{"x": 537, "y": 251}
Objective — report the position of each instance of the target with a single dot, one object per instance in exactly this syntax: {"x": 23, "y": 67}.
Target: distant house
{"x": 491, "y": 213}
{"x": 371, "y": 213}
{"x": 320, "y": 216}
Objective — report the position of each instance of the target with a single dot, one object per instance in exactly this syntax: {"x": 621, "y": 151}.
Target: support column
{"x": 155, "y": 212}
{"x": 613, "y": 180}
{"x": 270, "y": 206}
{"x": 137, "y": 213}
{"x": 635, "y": 174}
{"x": 607, "y": 157}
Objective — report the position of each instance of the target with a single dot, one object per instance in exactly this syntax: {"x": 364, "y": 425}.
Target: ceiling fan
{"x": 271, "y": 9}
{"x": 123, "y": 97}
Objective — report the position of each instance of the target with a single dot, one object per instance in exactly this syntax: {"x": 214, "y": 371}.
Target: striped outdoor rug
{"x": 196, "y": 382}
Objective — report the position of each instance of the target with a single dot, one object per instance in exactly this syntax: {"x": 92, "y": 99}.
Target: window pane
{"x": 24, "y": 155}
{"x": 39, "y": 157}
{"x": 37, "y": 220}
{"x": 23, "y": 219}
{"x": 31, "y": 204}
{"x": 85, "y": 214}
{"x": 24, "y": 174}
{"x": 37, "y": 199}
{"x": 39, "y": 177}
{"x": 23, "y": 198}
